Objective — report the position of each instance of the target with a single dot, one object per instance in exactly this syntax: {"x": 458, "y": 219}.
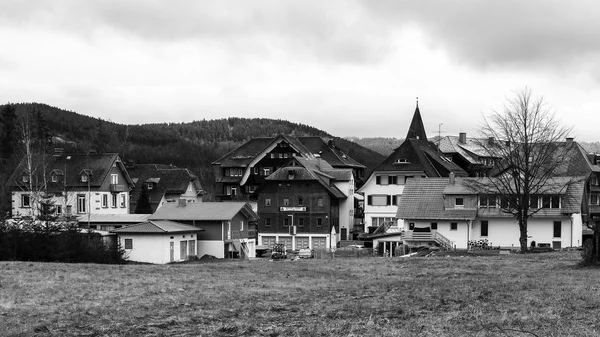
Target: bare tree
{"x": 530, "y": 143}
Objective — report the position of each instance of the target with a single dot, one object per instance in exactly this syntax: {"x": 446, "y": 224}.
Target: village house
{"x": 415, "y": 158}
{"x": 240, "y": 172}
{"x": 454, "y": 210}
{"x": 228, "y": 227}
{"x": 306, "y": 203}
{"x": 160, "y": 242}
{"x": 70, "y": 185}
{"x": 164, "y": 183}
{"x": 473, "y": 155}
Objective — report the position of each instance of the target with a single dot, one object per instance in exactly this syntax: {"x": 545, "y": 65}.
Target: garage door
{"x": 287, "y": 241}
{"x": 268, "y": 240}
{"x": 301, "y": 242}
{"x": 319, "y": 243}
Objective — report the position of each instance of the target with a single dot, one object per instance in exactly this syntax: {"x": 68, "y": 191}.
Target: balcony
{"x": 117, "y": 188}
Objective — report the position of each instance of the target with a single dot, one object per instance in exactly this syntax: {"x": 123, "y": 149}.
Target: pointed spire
{"x": 416, "y": 129}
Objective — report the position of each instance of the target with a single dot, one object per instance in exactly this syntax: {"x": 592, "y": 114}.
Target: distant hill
{"x": 384, "y": 146}
{"x": 193, "y": 145}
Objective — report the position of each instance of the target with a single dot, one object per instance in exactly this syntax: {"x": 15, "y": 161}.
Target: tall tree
{"x": 8, "y": 132}
{"x": 532, "y": 161}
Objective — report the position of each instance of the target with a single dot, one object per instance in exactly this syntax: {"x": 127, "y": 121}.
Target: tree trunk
{"x": 523, "y": 235}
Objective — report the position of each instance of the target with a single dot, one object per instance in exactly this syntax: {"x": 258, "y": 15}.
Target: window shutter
{"x": 378, "y": 180}
{"x": 395, "y": 200}
{"x": 389, "y": 200}
{"x": 370, "y": 200}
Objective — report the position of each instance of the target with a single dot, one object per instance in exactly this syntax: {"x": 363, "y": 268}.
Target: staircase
{"x": 435, "y": 236}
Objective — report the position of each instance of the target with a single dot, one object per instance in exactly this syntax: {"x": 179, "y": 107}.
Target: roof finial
{"x": 417, "y": 101}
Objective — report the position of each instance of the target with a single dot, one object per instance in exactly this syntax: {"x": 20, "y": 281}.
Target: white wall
{"x": 155, "y": 248}
{"x": 346, "y": 210}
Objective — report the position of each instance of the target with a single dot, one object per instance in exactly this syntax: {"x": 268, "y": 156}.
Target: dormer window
{"x": 401, "y": 161}
{"x": 25, "y": 177}
{"x": 291, "y": 175}
{"x": 54, "y": 175}
{"x": 150, "y": 185}
{"x": 85, "y": 175}
{"x": 459, "y": 202}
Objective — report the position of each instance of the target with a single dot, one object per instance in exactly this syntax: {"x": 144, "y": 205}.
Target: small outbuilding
{"x": 159, "y": 241}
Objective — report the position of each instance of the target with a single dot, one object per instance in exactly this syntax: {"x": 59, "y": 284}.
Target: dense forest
{"x": 193, "y": 145}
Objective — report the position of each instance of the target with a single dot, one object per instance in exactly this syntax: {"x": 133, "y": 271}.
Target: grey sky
{"x": 347, "y": 67}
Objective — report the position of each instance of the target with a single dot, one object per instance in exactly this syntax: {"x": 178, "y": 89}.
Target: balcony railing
{"x": 116, "y": 188}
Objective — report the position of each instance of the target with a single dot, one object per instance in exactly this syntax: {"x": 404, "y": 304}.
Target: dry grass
{"x": 517, "y": 295}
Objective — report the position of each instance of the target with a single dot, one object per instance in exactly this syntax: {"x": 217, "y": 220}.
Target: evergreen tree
{"x": 8, "y": 132}
{"x": 143, "y": 202}
{"x": 43, "y": 139}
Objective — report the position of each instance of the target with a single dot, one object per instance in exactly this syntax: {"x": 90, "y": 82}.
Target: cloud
{"x": 502, "y": 33}
{"x": 332, "y": 31}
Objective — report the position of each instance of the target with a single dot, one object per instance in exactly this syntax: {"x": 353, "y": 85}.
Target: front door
{"x": 172, "y": 250}
{"x": 192, "y": 247}
{"x": 183, "y": 250}
{"x": 344, "y": 234}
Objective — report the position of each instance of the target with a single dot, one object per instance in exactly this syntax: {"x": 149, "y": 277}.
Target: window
{"x": 149, "y": 185}
{"x": 319, "y": 202}
{"x": 251, "y": 189}
{"x": 319, "y": 222}
{"x": 128, "y": 243}
{"x": 114, "y": 179}
{"x": 281, "y": 155}
{"x": 272, "y": 155}
{"x": 25, "y": 178}
{"x": 84, "y": 178}
{"x": 231, "y": 190}
{"x": 25, "y": 200}
{"x": 266, "y": 171}
{"x": 54, "y": 177}
{"x": 459, "y": 202}
{"x": 286, "y": 222}
{"x": 81, "y": 203}
{"x": 533, "y": 201}
{"x": 484, "y": 228}
{"x": 267, "y": 201}
{"x": 594, "y": 199}
{"x": 487, "y": 201}
{"x": 267, "y": 222}
{"x": 113, "y": 201}
{"x": 411, "y": 226}
{"x": 255, "y": 170}
{"x": 242, "y": 225}
{"x": 454, "y": 226}
{"x": 123, "y": 203}
{"x": 286, "y": 201}
{"x": 59, "y": 209}
{"x": 396, "y": 199}
{"x": 557, "y": 229}
{"x": 434, "y": 225}
{"x": 300, "y": 201}
{"x": 594, "y": 180}
{"x": 104, "y": 200}
{"x": 550, "y": 201}
{"x": 379, "y": 200}
{"x": 300, "y": 222}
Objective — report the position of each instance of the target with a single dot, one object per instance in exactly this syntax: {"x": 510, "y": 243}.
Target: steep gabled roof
{"x": 70, "y": 167}
{"x": 419, "y": 155}
{"x": 165, "y": 179}
{"x": 329, "y": 152}
{"x": 157, "y": 227}
{"x": 416, "y": 129}
{"x": 204, "y": 211}
{"x": 314, "y": 169}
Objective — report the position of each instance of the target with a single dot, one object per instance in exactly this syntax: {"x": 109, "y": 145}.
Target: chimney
{"x": 569, "y": 142}
{"x": 181, "y": 203}
{"x": 452, "y": 178}
{"x": 462, "y": 137}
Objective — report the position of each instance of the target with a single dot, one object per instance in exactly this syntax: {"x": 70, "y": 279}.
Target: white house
{"x": 415, "y": 158}
{"x": 158, "y": 241}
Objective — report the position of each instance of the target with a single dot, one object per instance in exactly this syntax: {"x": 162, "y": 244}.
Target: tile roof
{"x": 470, "y": 150}
{"x": 165, "y": 179}
{"x": 204, "y": 211}
{"x": 154, "y": 226}
{"x": 420, "y": 155}
{"x": 424, "y": 199}
{"x": 329, "y": 152}
{"x": 71, "y": 166}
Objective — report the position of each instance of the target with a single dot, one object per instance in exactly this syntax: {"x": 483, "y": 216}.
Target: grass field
{"x": 516, "y": 295}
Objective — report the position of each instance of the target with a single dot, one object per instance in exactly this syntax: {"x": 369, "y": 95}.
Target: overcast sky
{"x": 351, "y": 68}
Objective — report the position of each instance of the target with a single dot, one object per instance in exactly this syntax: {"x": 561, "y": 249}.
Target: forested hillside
{"x": 191, "y": 145}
